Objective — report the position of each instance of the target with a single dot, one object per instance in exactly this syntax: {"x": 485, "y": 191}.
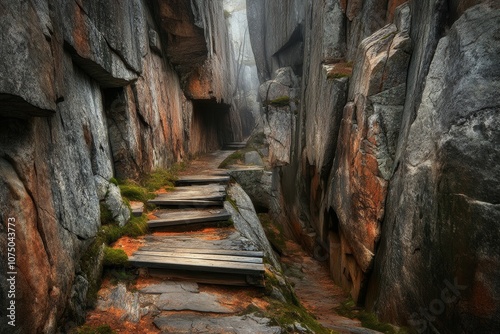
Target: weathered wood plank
{"x": 179, "y": 219}
{"x": 175, "y": 214}
{"x": 201, "y": 188}
{"x": 201, "y": 179}
{"x": 185, "y": 202}
{"x": 196, "y": 264}
{"x": 234, "y": 252}
{"x": 207, "y": 277}
{"x": 195, "y": 193}
{"x": 174, "y": 254}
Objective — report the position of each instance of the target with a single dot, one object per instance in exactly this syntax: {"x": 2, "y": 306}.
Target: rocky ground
{"x": 130, "y": 303}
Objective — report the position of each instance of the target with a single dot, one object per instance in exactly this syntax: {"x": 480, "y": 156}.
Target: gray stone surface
{"x": 273, "y": 24}
{"x": 253, "y": 158}
{"x": 120, "y": 211}
{"x": 171, "y": 287}
{"x": 133, "y": 304}
{"x": 192, "y": 301}
{"x": 442, "y": 216}
{"x": 424, "y": 150}
{"x": 256, "y": 182}
{"x": 247, "y": 222}
{"x": 28, "y": 85}
{"x": 115, "y": 109}
{"x": 193, "y": 323}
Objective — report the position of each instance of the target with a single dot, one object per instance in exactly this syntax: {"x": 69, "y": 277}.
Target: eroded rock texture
{"x": 92, "y": 90}
{"x": 393, "y": 160}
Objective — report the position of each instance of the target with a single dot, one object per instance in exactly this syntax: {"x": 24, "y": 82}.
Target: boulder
{"x": 253, "y": 158}
{"x": 256, "y": 182}
{"x": 247, "y": 222}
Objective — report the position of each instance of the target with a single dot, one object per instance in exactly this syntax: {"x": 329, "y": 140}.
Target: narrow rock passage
{"x": 317, "y": 292}
{"x": 197, "y": 277}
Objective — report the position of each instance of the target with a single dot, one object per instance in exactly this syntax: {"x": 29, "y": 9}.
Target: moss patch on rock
{"x": 368, "y": 319}
{"x": 281, "y": 101}
{"x": 86, "y": 329}
{"x": 274, "y": 232}
{"x": 114, "y": 257}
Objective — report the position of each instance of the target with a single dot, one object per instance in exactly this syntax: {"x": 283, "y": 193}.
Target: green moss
{"x": 122, "y": 275}
{"x": 232, "y": 202}
{"x": 114, "y": 257}
{"x": 161, "y": 178}
{"x": 286, "y": 315}
{"x": 336, "y": 75}
{"x": 102, "y": 329}
{"x": 136, "y": 227}
{"x": 257, "y": 140}
{"x": 234, "y": 158}
{"x": 106, "y": 214}
{"x": 134, "y": 192}
{"x": 227, "y": 14}
{"x": 114, "y": 181}
{"x": 368, "y": 320}
{"x": 281, "y": 101}
{"x": 89, "y": 264}
{"x": 274, "y": 232}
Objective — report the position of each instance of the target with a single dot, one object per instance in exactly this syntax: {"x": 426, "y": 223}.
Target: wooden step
{"x": 201, "y": 179}
{"x": 215, "y": 257}
{"x": 180, "y": 203}
{"x": 211, "y": 192}
{"x": 207, "y": 277}
{"x": 189, "y": 217}
{"x": 233, "y": 252}
{"x": 181, "y": 263}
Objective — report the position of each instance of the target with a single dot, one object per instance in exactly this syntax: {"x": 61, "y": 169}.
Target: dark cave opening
{"x": 210, "y": 126}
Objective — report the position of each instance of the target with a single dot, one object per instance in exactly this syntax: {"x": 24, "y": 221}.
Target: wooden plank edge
{"x": 205, "y": 251}
{"x": 212, "y": 257}
{"x": 174, "y": 222}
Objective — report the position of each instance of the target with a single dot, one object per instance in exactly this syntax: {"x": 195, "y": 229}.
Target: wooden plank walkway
{"x": 206, "y": 251}
{"x": 196, "y": 196}
{"x": 234, "y": 146}
{"x": 189, "y": 217}
{"x": 201, "y": 179}
{"x": 219, "y": 256}
{"x": 197, "y": 264}
{"x": 216, "y": 257}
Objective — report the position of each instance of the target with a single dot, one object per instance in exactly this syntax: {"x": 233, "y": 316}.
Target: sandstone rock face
{"x": 366, "y": 146}
{"x": 89, "y": 91}
{"x": 390, "y": 170}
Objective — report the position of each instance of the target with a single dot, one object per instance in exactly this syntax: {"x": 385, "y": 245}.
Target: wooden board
{"x": 207, "y": 278}
{"x": 202, "y": 179}
{"x": 196, "y": 264}
{"x": 234, "y": 252}
{"x": 212, "y": 192}
{"x": 174, "y": 254}
{"x": 185, "y": 203}
{"x": 189, "y": 217}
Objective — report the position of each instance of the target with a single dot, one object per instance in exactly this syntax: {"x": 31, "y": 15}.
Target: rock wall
{"x": 92, "y": 90}
{"x": 389, "y": 157}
